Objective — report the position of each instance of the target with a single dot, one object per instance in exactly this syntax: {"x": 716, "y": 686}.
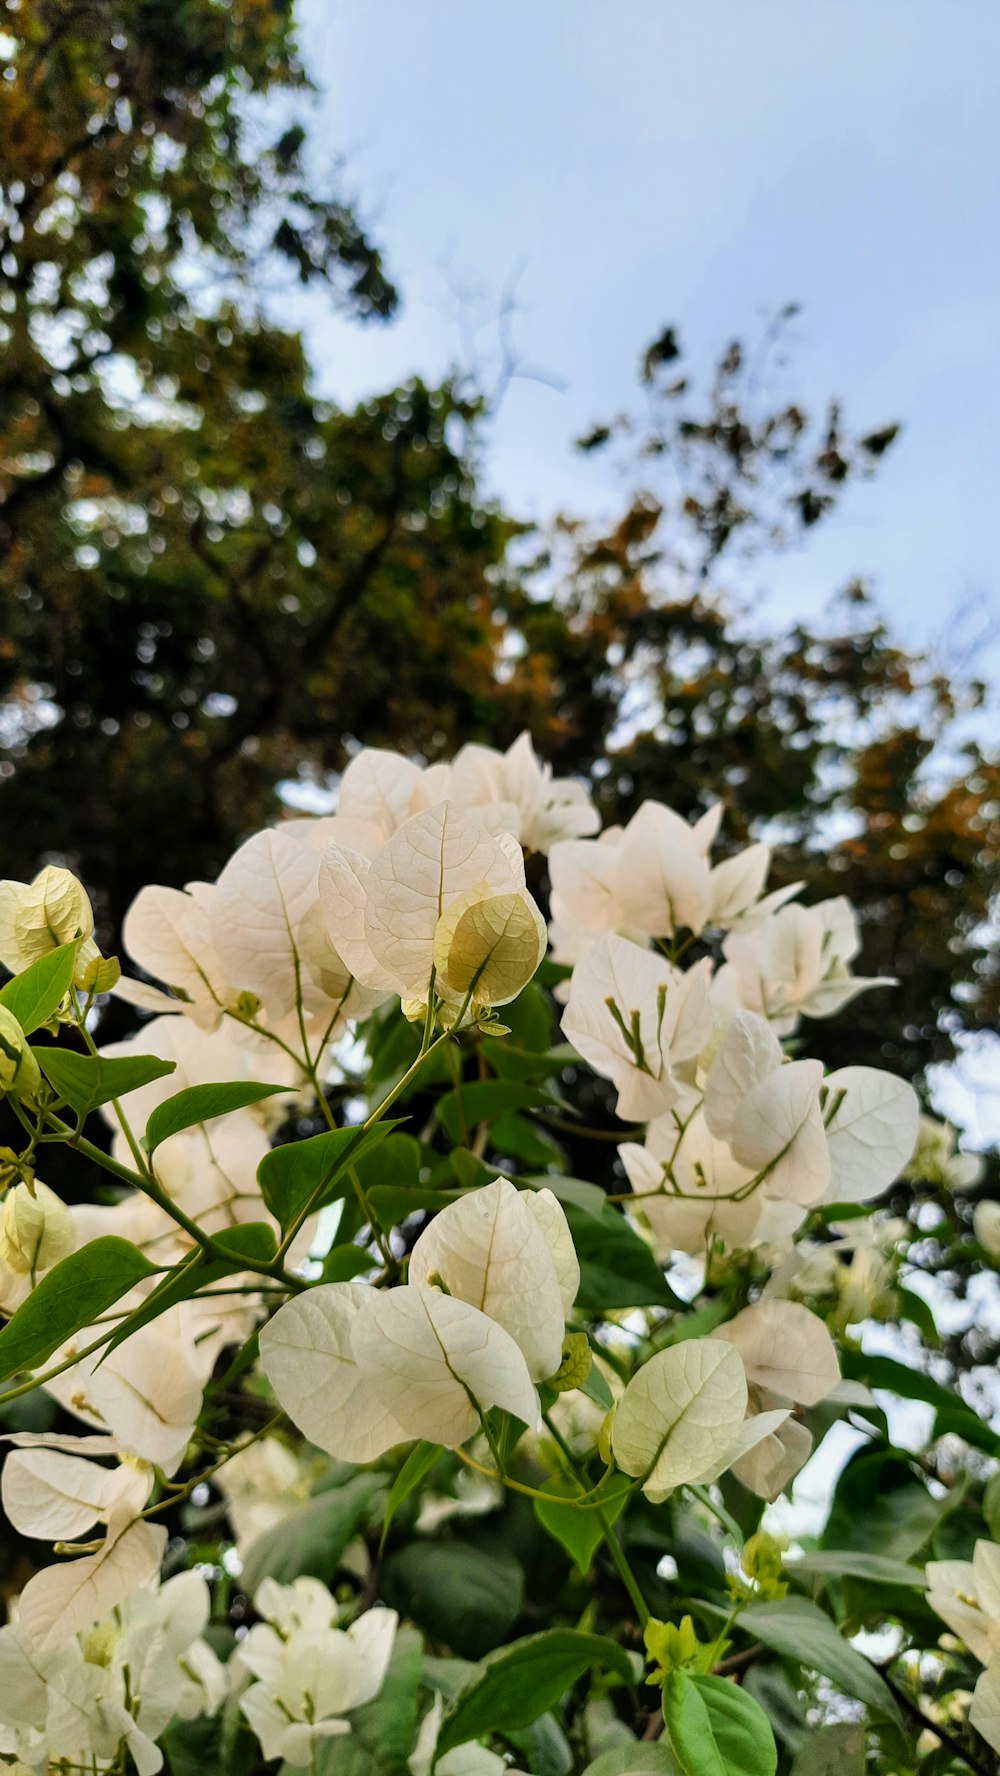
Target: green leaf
{"x": 617, "y": 1268}
{"x": 697, "y": 1324}
{"x": 525, "y": 1680}
{"x": 635, "y": 1760}
{"x": 344, "y": 1262}
{"x": 418, "y": 1464}
{"x": 846, "y": 1563}
{"x": 192, "y": 1746}
{"x": 397, "y": 1159}
{"x": 881, "y": 1506}
{"x": 252, "y": 1239}
{"x": 87, "y": 1081}
{"x": 576, "y": 1191}
{"x": 392, "y": 1204}
{"x": 463, "y": 1595}
{"x": 313, "y": 1173}
{"x": 784, "y": 1704}
{"x": 914, "y": 1308}
{"x": 382, "y": 1732}
{"x": 199, "y": 1103}
{"x": 72, "y": 1295}
{"x": 526, "y": 1141}
{"x": 33, "y": 996}
{"x": 313, "y": 1538}
{"x": 579, "y": 1532}
{"x": 482, "y": 1101}
{"x": 833, "y": 1751}
{"x": 715, "y": 1729}
{"x": 799, "y": 1630}
{"x": 596, "y": 1388}
{"x": 543, "y": 1747}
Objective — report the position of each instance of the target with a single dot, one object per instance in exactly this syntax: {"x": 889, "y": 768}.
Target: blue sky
{"x": 639, "y": 161}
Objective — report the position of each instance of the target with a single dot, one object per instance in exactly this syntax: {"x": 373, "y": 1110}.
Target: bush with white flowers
{"x": 354, "y": 1419}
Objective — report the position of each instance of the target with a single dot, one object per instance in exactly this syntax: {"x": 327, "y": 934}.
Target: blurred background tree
{"x": 213, "y": 582}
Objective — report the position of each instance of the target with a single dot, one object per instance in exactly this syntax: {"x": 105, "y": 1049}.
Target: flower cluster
{"x": 377, "y": 1293}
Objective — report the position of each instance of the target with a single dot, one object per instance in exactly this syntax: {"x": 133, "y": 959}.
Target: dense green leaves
{"x": 799, "y": 1630}
{"x": 87, "y": 1081}
{"x": 304, "y": 1176}
{"x": 715, "y": 1729}
{"x": 418, "y": 1464}
{"x": 579, "y": 1531}
{"x": 515, "y": 1686}
{"x": 617, "y": 1269}
{"x": 837, "y": 1750}
{"x": 199, "y": 1103}
{"x": 464, "y": 1109}
{"x": 72, "y": 1295}
{"x": 848, "y": 1563}
{"x": 35, "y": 994}
{"x": 313, "y": 1538}
{"x": 466, "y": 1596}
{"x": 635, "y": 1760}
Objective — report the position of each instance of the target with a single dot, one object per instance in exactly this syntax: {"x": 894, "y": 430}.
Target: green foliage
{"x": 715, "y": 1729}
{"x": 467, "y": 1597}
{"x": 87, "y": 1081}
{"x": 305, "y": 1176}
{"x": 616, "y": 1268}
{"x": 72, "y": 1295}
{"x": 525, "y": 1680}
{"x": 36, "y": 995}
{"x": 833, "y": 1751}
{"x": 199, "y": 1103}
{"x": 314, "y": 1537}
{"x": 799, "y": 1630}
{"x": 581, "y": 1532}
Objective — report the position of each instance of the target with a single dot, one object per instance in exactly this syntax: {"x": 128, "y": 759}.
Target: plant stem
{"x": 941, "y": 1733}
{"x": 611, "y": 1541}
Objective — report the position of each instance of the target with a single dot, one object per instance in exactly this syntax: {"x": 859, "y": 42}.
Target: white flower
{"x": 443, "y": 901}
{"x": 359, "y": 1370}
{"x": 789, "y": 1359}
{"x": 638, "y": 1021}
{"x": 262, "y": 1485}
{"x": 936, "y": 1159}
{"x": 510, "y": 1254}
{"x": 119, "y": 1681}
{"x": 795, "y": 962}
{"x": 700, "y": 1193}
{"x": 36, "y": 1232}
{"x": 147, "y": 1392}
{"x": 258, "y": 931}
{"x": 309, "y": 1672}
{"x": 64, "y": 1600}
{"x": 770, "y": 1113}
{"x": 512, "y": 792}
{"x": 966, "y": 1595}
{"x": 38, "y": 916}
{"x": 682, "y": 1418}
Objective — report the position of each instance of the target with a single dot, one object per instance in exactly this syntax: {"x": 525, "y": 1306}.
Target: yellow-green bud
{"x": 762, "y": 1560}
{"x": 35, "y": 1229}
{"x": 101, "y": 974}
{"x": 19, "y": 1070}
{"x": 671, "y": 1649}
{"x": 575, "y": 1366}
